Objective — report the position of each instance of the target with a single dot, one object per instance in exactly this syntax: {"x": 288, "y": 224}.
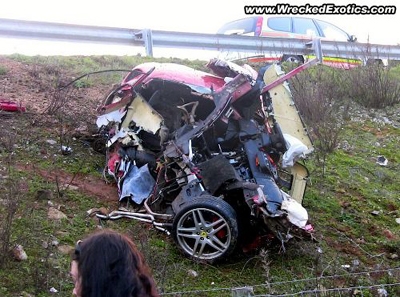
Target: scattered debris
{"x": 398, "y": 220}
{"x": 19, "y": 253}
{"x": 375, "y": 212}
{"x": 382, "y": 292}
{"x": 381, "y": 160}
{"x": 345, "y": 145}
{"x": 11, "y": 106}
{"x": 66, "y": 150}
{"x": 243, "y": 292}
{"x": 45, "y": 244}
{"x": 394, "y": 256}
{"x": 355, "y": 262}
{"x": 51, "y": 141}
{"x": 55, "y": 242}
{"x": 192, "y": 273}
{"x": 53, "y": 290}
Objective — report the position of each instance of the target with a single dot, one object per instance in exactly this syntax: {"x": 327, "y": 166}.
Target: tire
{"x": 293, "y": 59}
{"x": 377, "y": 62}
{"x": 206, "y": 229}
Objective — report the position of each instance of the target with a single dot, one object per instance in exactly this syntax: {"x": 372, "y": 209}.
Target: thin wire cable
{"x": 305, "y": 292}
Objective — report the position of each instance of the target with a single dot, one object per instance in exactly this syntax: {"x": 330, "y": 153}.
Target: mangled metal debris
{"x": 19, "y": 253}
{"x": 11, "y": 106}
{"x": 382, "y": 161}
{"x": 210, "y": 158}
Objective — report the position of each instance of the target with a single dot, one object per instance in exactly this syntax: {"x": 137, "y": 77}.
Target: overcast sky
{"x": 204, "y": 16}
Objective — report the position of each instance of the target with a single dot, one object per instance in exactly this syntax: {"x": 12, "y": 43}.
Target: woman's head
{"x": 108, "y": 264}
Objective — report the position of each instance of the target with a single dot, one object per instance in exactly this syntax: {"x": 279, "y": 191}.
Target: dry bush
{"x": 45, "y": 77}
{"x": 321, "y": 97}
{"x": 11, "y": 198}
{"x": 10, "y": 194}
{"x": 374, "y": 86}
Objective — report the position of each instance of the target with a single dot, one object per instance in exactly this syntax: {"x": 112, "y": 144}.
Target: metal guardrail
{"x": 155, "y": 38}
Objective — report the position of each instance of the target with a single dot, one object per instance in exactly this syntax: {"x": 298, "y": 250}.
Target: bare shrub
{"x": 57, "y": 101}
{"x": 12, "y": 197}
{"x": 374, "y": 86}
{"x": 266, "y": 265}
{"x": 9, "y": 192}
{"x": 321, "y": 97}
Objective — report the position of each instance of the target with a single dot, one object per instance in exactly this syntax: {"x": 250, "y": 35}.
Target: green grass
{"x": 86, "y": 64}
{"x": 3, "y": 70}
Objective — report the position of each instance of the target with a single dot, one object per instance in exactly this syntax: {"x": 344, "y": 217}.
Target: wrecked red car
{"x": 202, "y": 157}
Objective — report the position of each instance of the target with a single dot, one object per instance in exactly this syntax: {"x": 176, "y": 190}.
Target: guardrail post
{"x": 316, "y": 43}
{"x": 148, "y": 42}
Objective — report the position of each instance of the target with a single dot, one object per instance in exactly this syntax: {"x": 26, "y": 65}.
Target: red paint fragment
{"x": 11, "y": 106}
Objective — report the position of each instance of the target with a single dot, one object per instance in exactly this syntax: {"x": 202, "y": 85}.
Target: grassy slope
{"x": 339, "y": 200}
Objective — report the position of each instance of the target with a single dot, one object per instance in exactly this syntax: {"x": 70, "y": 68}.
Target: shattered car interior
{"x": 210, "y": 158}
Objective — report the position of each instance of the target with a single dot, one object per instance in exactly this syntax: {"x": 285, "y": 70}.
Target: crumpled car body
{"x": 199, "y": 156}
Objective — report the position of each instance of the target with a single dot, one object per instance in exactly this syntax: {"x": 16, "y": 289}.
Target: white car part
{"x": 297, "y": 214}
{"x": 296, "y": 150}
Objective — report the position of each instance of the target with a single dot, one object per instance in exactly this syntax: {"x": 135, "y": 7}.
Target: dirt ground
{"x": 90, "y": 185}
{"x": 34, "y": 87}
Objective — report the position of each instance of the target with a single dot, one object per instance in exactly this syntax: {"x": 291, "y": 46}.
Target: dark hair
{"x": 110, "y": 265}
